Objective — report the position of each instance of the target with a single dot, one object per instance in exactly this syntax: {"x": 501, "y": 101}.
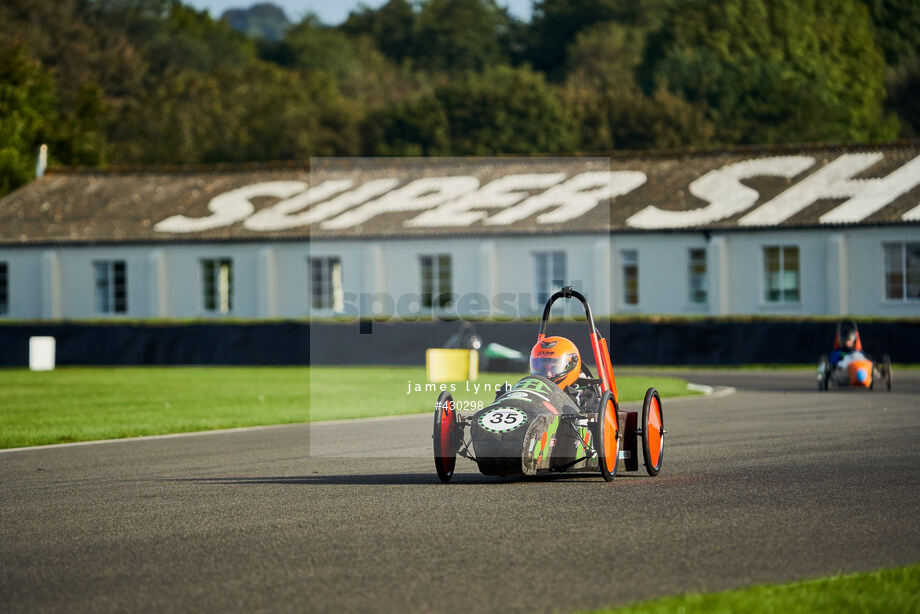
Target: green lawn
{"x": 83, "y": 404}
{"x": 888, "y": 590}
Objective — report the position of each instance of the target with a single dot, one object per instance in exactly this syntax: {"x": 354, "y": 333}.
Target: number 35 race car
{"x": 560, "y": 418}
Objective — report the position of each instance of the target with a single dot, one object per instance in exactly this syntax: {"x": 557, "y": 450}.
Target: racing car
{"x": 560, "y": 418}
{"x": 847, "y": 365}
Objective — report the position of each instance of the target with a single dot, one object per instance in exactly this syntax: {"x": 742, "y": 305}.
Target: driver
{"x": 842, "y": 357}
{"x": 556, "y": 358}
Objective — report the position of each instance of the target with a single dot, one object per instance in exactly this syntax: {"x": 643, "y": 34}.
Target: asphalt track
{"x": 773, "y": 483}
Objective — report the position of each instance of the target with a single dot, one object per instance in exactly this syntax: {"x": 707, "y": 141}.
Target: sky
{"x": 330, "y": 12}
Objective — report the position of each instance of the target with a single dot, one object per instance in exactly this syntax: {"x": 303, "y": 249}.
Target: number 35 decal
{"x": 502, "y": 419}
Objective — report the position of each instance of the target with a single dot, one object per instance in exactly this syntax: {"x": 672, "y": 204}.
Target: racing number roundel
{"x": 502, "y": 419}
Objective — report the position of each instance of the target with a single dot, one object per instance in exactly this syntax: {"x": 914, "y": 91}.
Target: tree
{"x": 504, "y": 111}
{"x": 556, "y": 24}
{"x": 897, "y": 24}
{"x": 391, "y": 27}
{"x": 777, "y": 71}
{"x": 459, "y": 35}
{"x": 28, "y": 113}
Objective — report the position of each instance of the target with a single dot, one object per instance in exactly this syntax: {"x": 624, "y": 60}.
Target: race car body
{"x": 541, "y": 425}
{"x": 846, "y": 365}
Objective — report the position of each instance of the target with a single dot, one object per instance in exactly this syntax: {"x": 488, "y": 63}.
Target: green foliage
{"x": 897, "y": 25}
{"x": 903, "y": 85}
{"x": 886, "y": 590}
{"x": 504, "y": 110}
{"x": 156, "y": 81}
{"x": 772, "y": 72}
{"x": 557, "y": 23}
{"x": 391, "y": 27}
{"x": 501, "y": 111}
{"x": 28, "y": 109}
{"x": 461, "y": 35}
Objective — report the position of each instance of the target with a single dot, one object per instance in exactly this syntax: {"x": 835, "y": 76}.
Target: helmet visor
{"x": 553, "y": 367}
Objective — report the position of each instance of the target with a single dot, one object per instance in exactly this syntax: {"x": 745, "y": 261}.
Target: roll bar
{"x": 598, "y": 343}
{"x": 567, "y": 292}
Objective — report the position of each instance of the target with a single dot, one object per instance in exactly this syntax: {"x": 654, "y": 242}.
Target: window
{"x": 781, "y": 274}
{"x": 630, "y": 259}
{"x": 4, "y": 289}
{"x": 326, "y": 284}
{"x": 436, "y": 281}
{"x": 902, "y": 271}
{"x": 550, "y": 274}
{"x": 217, "y": 286}
{"x": 111, "y": 286}
{"x": 697, "y": 273}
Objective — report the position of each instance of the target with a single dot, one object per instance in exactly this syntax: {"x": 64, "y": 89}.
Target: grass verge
{"x": 83, "y": 404}
{"x": 887, "y": 590}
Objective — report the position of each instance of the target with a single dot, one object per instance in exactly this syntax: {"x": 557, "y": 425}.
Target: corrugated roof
{"x": 387, "y": 197}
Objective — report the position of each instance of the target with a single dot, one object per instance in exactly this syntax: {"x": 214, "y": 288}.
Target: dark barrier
{"x": 285, "y": 343}
{"x": 703, "y": 342}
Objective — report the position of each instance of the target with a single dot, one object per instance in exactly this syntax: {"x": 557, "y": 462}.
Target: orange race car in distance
{"x": 848, "y": 366}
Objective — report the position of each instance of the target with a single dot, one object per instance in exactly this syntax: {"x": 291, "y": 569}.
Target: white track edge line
{"x": 722, "y": 391}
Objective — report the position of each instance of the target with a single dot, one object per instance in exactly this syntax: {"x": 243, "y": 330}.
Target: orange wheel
{"x": 607, "y": 437}
{"x": 445, "y": 437}
{"x": 652, "y": 431}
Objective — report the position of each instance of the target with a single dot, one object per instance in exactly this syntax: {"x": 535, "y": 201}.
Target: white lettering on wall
{"x": 723, "y": 190}
{"x": 913, "y": 215}
{"x": 502, "y": 192}
{"x": 573, "y": 198}
{"x": 866, "y": 196}
{"x": 875, "y": 194}
{"x": 548, "y": 198}
{"x": 416, "y": 196}
{"x": 343, "y": 202}
{"x": 278, "y": 216}
{"x": 230, "y": 207}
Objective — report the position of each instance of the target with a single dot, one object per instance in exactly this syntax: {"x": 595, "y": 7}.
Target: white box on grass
{"x": 41, "y": 353}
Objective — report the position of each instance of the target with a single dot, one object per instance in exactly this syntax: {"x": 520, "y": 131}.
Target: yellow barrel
{"x": 446, "y": 365}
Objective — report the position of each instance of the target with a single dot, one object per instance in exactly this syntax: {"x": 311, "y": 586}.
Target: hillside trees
{"x": 775, "y": 71}
{"x": 157, "y": 81}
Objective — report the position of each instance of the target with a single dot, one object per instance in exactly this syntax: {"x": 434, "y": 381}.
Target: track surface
{"x": 774, "y": 483}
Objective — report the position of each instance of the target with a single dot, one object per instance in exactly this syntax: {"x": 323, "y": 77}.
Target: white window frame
{"x": 691, "y": 275}
{"x": 905, "y": 298}
{"x": 781, "y": 247}
{"x": 629, "y": 256}
{"x": 550, "y": 273}
{"x": 223, "y": 285}
{"x": 105, "y": 285}
{"x": 436, "y": 281}
{"x": 328, "y": 295}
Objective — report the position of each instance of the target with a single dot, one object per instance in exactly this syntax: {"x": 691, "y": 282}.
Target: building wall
{"x": 841, "y": 271}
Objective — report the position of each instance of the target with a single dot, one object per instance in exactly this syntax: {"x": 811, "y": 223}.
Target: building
{"x": 798, "y": 231}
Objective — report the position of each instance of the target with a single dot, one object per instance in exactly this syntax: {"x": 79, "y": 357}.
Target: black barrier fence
{"x": 698, "y": 342}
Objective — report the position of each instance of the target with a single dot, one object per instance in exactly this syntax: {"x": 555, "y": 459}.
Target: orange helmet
{"x": 556, "y": 358}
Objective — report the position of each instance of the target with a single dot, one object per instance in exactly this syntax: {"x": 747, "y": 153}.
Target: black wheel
{"x": 445, "y": 437}
{"x": 886, "y": 363}
{"x": 607, "y": 436}
{"x": 652, "y": 431}
{"x": 825, "y": 376}
{"x": 823, "y": 372}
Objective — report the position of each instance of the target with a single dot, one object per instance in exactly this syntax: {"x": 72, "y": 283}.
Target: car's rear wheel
{"x": 652, "y": 431}
{"x": 445, "y": 437}
{"x": 886, "y": 361}
{"x": 825, "y": 373}
{"x": 607, "y": 436}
